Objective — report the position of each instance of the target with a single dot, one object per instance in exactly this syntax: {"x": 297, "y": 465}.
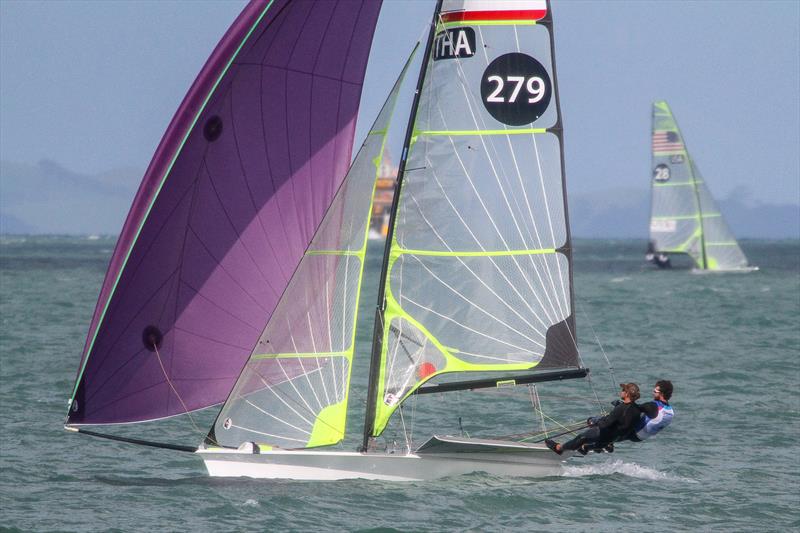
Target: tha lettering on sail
{"x": 454, "y": 43}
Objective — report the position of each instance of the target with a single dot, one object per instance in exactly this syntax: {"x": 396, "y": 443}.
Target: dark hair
{"x": 666, "y": 388}
{"x": 632, "y": 389}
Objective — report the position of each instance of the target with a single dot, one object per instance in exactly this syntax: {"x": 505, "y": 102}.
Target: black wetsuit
{"x": 620, "y": 421}
{"x": 649, "y": 409}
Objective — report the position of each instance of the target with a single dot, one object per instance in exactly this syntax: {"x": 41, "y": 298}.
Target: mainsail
{"x": 477, "y": 271}
{"x": 684, "y": 217}
{"x": 294, "y": 389}
{"x": 226, "y": 210}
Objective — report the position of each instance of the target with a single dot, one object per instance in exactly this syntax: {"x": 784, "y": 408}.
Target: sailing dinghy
{"x": 237, "y": 276}
{"x": 684, "y": 218}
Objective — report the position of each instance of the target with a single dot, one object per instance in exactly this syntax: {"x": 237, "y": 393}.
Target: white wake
{"x": 620, "y": 467}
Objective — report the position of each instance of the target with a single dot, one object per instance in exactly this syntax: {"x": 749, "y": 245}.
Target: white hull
{"x": 743, "y": 270}
{"x": 505, "y": 460}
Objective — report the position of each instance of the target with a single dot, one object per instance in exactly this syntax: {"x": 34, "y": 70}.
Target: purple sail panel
{"x": 230, "y": 202}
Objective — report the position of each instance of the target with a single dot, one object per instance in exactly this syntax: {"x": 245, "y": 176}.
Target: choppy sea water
{"x": 729, "y": 462}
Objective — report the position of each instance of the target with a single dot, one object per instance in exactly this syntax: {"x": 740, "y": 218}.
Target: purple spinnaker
{"x": 232, "y": 198}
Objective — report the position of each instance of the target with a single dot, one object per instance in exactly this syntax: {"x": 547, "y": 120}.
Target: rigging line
{"x": 405, "y": 431}
{"x": 568, "y": 430}
{"x": 559, "y": 424}
{"x": 447, "y": 318}
{"x": 597, "y": 339}
{"x": 491, "y": 259}
{"x": 467, "y": 300}
{"x": 537, "y": 404}
{"x": 471, "y": 105}
{"x": 596, "y": 397}
{"x": 413, "y": 416}
{"x": 474, "y": 274}
{"x": 169, "y": 382}
{"x": 308, "y": 380}
{"x": 409, "y": 374}
{"x": 502, "y": 189}
{"x": 397, "y": 345}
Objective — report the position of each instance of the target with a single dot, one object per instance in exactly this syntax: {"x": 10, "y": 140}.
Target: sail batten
{"x": 294, "y": 389}
{"x": 478, "y": 266}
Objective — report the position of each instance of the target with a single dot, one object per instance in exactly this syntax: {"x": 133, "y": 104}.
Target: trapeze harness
{"x": 647, "y": 427}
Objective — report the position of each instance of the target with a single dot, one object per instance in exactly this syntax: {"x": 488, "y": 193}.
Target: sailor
{"x": 655, "y": 416}
{"x": 621, "y": 421}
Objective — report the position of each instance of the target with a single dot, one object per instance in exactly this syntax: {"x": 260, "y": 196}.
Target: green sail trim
{"x": 452, "y": 363}
{"x": 329, "y": 425}
{"x": 687, "y": 217}
{"x": 326, "y": 426}
{"x": 678, "y": 184}
{"x": 189, "y": 131}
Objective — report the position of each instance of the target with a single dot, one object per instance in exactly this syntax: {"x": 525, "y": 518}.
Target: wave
{"x": 620, "y": 467}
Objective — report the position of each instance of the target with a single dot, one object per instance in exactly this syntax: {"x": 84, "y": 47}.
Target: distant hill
{"x": 625, "y": 213}
{"x": 47, "y": 198}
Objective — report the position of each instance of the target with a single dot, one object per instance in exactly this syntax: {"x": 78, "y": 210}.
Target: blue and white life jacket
{"x": 647, "y": 427}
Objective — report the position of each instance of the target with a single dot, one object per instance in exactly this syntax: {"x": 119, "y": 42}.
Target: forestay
{"x": 684, "y": 217}
{"x": 293, "y": 391}
{"x": 478, "y": 274}
{"x": 228, "y": 206}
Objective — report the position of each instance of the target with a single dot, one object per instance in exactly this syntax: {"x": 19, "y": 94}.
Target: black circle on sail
{"x": 661, "y": 173}
{"x": 212, "y": 129}
{"x": 152, "y": 337}
{"x": 516, "y": 89}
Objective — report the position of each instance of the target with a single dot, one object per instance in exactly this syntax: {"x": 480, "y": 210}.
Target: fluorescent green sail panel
{"x": 479, "y": 274}
{"x": 675, "y": 221}
{"x": 722, "y": 250}
{"x": 293, "y": 391}
{"x": 684, "y": 217}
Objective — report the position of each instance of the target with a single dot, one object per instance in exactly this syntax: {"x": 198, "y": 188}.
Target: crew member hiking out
{"x": 620, "y": 421}
{"x": 655, "y": 416}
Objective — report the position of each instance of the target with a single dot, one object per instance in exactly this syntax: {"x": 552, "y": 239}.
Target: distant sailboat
{"x": 246, "y": 294}
{"x": 684, "y": 217}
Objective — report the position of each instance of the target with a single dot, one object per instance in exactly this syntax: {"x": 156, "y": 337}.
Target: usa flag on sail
{"x": 666, "y": 141}
{"x": 470, "y": 10}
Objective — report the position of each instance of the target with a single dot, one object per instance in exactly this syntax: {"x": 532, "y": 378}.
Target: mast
{"x": 699, "y": 212}
{"x": 377, "y": 335}
{"x": 558, "y": 130}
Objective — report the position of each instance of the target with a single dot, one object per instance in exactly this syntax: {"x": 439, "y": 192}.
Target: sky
{"x": 92, "y": 85}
